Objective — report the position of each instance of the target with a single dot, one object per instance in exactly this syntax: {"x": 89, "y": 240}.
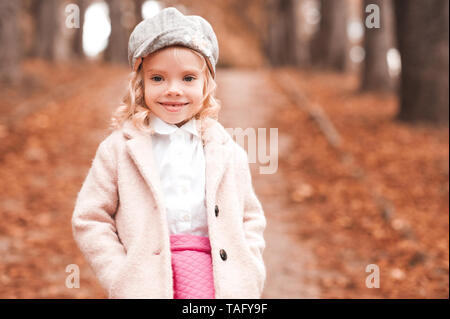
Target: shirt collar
{"x": 162, "y": 127}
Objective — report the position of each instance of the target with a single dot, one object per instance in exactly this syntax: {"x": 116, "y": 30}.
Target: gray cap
{"x": 171, "y": 27}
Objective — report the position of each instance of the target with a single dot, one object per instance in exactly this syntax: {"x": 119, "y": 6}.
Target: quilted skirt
{"x": 191, "y": 267}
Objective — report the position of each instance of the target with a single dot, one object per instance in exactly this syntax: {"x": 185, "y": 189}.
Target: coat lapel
{"x": 139, "y": 146}
{"x": 217, "y": 156}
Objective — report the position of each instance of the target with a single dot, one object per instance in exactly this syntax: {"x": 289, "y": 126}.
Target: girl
{"x": 168, "y": 209}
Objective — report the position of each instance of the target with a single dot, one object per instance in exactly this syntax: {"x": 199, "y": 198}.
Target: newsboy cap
{"x": 171, "y": 27}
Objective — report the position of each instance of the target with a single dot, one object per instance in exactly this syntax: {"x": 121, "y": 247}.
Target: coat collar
{"x": 164, "y": 128}
{"x": 214, "y": 132}
{"x": 217, "y": 156}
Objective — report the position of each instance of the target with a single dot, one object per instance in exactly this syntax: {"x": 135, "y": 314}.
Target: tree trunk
{"x": 138, "y": 10}
{"x": 422, "y": 33}
{"x": 117, "y": 49}
{"x": 46, "y": 28}
{"x": 377, "y": 42}
{"x": 29, "y": 20}
{"x": 331, "y": 44}
{"x": 303, "y": 33}
{"x": 281, "y": 41}
{"x": 10, "y": 39}
{"x": 77, "y": 44}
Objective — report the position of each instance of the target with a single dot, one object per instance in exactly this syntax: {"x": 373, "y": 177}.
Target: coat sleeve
{"x": 253, "y": 218}
{"x": 93, "y": 223}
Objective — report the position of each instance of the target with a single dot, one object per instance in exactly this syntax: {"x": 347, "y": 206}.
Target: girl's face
{"x": 174, "y": 84}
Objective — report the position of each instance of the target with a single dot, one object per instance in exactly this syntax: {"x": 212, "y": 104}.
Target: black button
{"x": 223, "y": 254}
{"x": 216, "y": 210}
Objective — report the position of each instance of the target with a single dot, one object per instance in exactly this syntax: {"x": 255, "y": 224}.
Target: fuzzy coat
{"x": 119, "y": 221}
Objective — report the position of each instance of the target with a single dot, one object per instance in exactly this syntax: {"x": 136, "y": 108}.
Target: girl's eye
{"x": 157, "y": 78}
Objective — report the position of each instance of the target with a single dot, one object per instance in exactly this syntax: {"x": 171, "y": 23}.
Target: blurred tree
{"x": 28, "y": 10}
{"x": 11, "y": 51}
{"x": 330, "y": 45}
{"x": 304, "y": 32}
{"x": 248, "y": 12}
{"x": 281, "y": 40}
{"x": 377, "y": 42}
{"x": 138, "y": 10}
{"x": 422, "y": 35}
{"x": 46, "y": 28}
{"x": 116, "y": 51}
{"x": 77, "y": 44}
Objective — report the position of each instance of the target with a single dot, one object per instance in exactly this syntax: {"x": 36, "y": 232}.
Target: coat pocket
{"x": 256, "y": 270}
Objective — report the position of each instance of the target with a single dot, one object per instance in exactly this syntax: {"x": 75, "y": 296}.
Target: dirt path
{"x": 248, "y": 101}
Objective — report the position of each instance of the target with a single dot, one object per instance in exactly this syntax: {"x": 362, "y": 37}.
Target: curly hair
{"x": 134, "y": 108}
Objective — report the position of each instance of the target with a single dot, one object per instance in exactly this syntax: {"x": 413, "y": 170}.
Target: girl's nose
{"x": 173, "y": 90}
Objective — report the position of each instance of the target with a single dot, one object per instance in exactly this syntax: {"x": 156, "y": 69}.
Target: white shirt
{"x": 179, "y": 155}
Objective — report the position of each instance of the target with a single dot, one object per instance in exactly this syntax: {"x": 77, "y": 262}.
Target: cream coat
{"x": 119, "y": 220}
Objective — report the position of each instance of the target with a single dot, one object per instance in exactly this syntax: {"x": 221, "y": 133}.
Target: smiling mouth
{"x": 173, "y": 104}
{"x": 173, "y": 107}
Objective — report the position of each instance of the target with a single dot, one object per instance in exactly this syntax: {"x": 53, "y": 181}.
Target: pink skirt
{"x": 192, "y": 267}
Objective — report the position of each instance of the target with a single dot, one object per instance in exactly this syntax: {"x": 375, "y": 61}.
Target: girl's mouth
{"x": 173, "y": 107}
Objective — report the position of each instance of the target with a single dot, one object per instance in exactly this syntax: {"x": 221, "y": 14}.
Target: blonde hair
{"x": 134, "y": 108}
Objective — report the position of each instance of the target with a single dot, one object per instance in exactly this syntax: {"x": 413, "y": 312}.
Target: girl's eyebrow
{"x": 154, "y": 71}
{"x": 191, "y": 71}
{"x": 161, "y": 71}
